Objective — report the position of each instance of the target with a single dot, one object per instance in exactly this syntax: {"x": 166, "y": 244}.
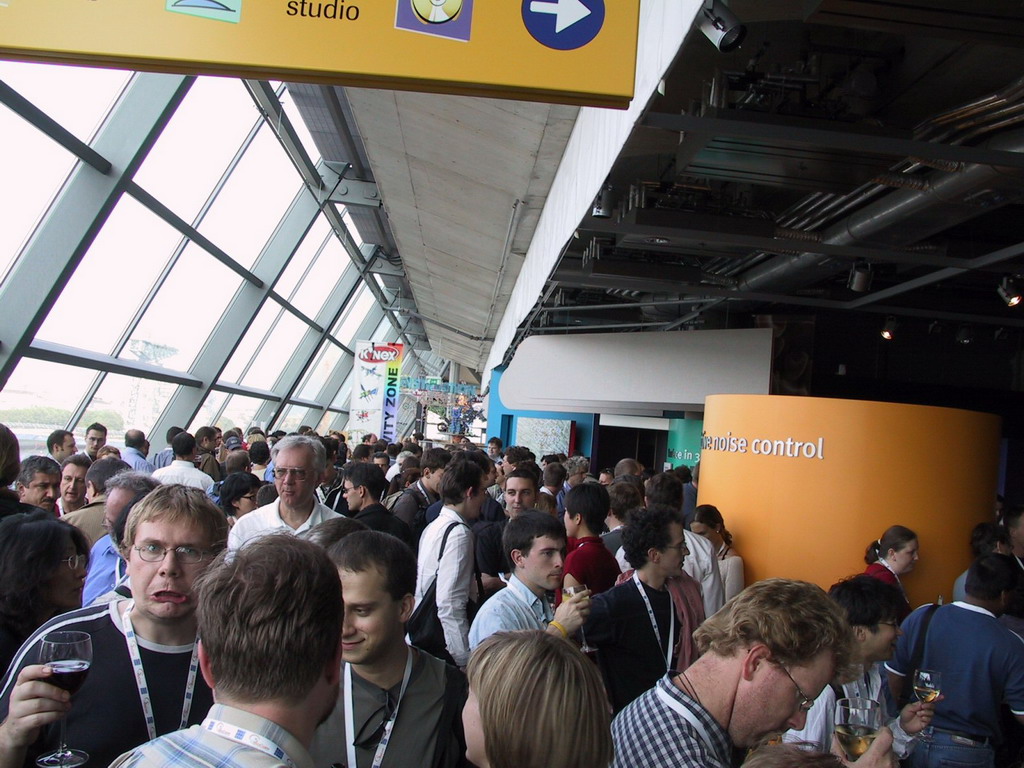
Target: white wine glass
{"x": 857, "y": 722}
{"x": 567, "y": 594}
{"x": 927, "y": 687}
{"x": 69, "y": 655}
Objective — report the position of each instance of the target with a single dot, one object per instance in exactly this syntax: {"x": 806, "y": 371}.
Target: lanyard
{"x": 140, "y": 676}
{"x": 248, "y": 739}
{"x": 350, "y": 729}
{"x": 654, "y": 622}
{"x": 689, "y": 717}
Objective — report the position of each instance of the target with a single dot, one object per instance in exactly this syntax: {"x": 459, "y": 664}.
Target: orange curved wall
{"x": 931, "y": 469}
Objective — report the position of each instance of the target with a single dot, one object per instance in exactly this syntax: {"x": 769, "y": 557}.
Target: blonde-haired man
{"x": 144, "y": 678}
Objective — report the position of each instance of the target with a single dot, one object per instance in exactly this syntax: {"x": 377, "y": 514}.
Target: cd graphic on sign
{"x": 436, "y": 11}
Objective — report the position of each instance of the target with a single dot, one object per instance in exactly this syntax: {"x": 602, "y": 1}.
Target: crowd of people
{"x": 290, "y": 600}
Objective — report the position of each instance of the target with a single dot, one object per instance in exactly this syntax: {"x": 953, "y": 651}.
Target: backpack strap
{"x": 918, "y": 655}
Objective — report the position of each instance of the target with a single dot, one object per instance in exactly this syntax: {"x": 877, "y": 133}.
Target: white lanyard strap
{"x": 350, "y": 730}
{"x": 654, "y": 622}
{"x": 140, "y": 675}
{"x": 248, "y": 739}
{"x": 676, "y": 706}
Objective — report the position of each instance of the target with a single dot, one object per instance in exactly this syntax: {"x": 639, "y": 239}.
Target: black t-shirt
{"x": 490, "y": 558}
{"x": 106, "y": 715}
{"x": 620, "y": 628}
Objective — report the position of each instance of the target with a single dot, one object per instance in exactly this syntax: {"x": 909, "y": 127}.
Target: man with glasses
{"x": 364, "y": 485}
{"x": 299, "y": 462}
{"x": 144, "y": 678}
{"x": 871, "y": 607}
{"x": 766, "y": 656}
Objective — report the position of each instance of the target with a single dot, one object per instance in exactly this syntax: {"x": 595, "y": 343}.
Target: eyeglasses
{"x": 154, "y": 553}
{"x": 806, "y": 702}
{"x": 894, "y": 624}
{"x": 681, "y": 546}
{"x": 283, "y": 472}
{"x": 249, "y": 496}
{"x": 76, "y": 561}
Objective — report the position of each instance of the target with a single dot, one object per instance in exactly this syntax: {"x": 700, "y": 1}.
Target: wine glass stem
{"x": 63, "y": 748}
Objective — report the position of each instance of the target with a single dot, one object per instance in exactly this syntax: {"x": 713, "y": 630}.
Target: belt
{"x": 976, "y": 740}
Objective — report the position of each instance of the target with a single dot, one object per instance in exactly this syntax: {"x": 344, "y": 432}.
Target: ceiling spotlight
{"x": 860, "y": 276}
{"x": 964, "y": 334}
{"x": 603, "y": 203}
{"x": 1009, "y": 291}
{"x": 889, "y": 329}
{"x": 720, "y": 26}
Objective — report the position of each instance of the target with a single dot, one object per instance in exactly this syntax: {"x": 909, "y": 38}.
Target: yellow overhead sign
{"x": 571, "y": 51}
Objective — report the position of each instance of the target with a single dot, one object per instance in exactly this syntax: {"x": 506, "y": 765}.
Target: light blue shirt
{"x": 134, "y": 458}
{"x": 103, "y": 570}
{"x": 515, "y": 607}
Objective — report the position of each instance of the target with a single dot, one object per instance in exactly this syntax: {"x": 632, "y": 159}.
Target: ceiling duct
{"x": 900, "y": 218}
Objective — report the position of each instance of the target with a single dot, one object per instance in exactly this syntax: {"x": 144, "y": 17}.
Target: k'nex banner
{"x": 375, "y": 389}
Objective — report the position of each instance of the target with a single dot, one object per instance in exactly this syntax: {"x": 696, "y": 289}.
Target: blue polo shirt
{"x": 982, "y": 665}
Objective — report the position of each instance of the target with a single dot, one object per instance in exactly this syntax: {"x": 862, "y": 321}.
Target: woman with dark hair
{"x": 708, "y": 522}
{"x": 42, "y": 571}
{"x": 10, "y": 464}
{"x": 892, "y": 556}
{"x": 238, "y": 494}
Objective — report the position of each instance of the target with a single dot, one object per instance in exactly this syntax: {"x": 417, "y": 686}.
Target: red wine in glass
{"x": 68, "y": 655}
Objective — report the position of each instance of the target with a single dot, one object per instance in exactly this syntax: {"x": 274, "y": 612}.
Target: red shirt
{"x": 590, "y": 563}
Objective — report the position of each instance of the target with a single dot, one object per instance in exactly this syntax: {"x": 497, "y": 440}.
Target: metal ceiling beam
{"x": 760, "y": 129}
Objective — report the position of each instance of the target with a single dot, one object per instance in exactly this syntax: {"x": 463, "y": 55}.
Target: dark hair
{"x": 135, "y": 438}
{"x": 683, "y": 473}
{"x": 528, "y": 465}
{"x": 205, "y": 433}
{"x": 648, "y": 528}
{"x": 183, "y": 444}
{"x": 708, "y": 514}
{"x": 104, "y": 469}
{"x": 78, "y": 460}
{"x": 96, "y": 427}
{"x": 382, "y": 455}
{"x": 460, "y": 476}
{"x": 331, "y": 447}
{"x": 363, "y": 550}
{"x": 991, "y": 575}
{"x": 896, "y": 537}
{"x": 521, "y": 530}
{"x": 331, "y": 531}
{"x": 623, "y": 498}
{"x": 664, "y": 488}
{"x": 259, "y": 452}
{"x": 627, "y": 467}
{"x": 267, "y": 494}
{"x": 32, "y": 546}
{"x": 235, "y": 486}
{"x": 554, "y": 474}
{"x": 517, "y": 453}
{"x": 591, "y": 501}
{"x": 549, "y": 458}
{"x": 868, "y": 601}
{"x": 57, "y": 437}
{"x": 172, "y": 433}
{"x": 360, "y": 452}
{"x": 524, "y": 474}
{"x": 34, "y": 465}
{"x": 985, "y": 537}
{"x": 435, "y": 458}
{"x": 495, "y": 441}
{"x": 369, "y": 476}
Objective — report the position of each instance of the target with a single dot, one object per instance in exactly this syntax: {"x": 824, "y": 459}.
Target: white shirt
{"x": 702, "y": 565}
{"x": 454, "y": 578}
{"x": 183, "y": 472}
{"x": 393, "y": 470}
{"x": 267, "y": 519}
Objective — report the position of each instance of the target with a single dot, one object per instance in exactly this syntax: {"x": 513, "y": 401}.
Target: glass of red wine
{"x": 69, "y": 655}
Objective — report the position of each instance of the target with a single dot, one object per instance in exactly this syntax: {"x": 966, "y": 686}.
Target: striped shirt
{"x": 650, "y": 733}
{"x": 197, "y": 747}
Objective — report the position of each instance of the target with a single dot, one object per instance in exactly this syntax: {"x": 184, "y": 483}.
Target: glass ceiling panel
{"x": 300, "y": 127}
{"x": 341, "y": 399}
{"x": 316, "y": 377}
{"x": 252, "y": 202}
{"x": 254, "y": 334}
{"x": 40, "y": 397}
{"x": 184, "y": 311}
{"x": 294, "y": 416}
{"x": 345, "y": 329}
{"x": 314, "y": 290}
{"x": 195, "y": 148}
{"x": 303, "y": 256}
{"x": 281, "y": 343}
{"x": 208, "y": 411}
{"x": 134, "y": 245}
{"x": 239, "y": 412}
{"x": 128, "y": 402}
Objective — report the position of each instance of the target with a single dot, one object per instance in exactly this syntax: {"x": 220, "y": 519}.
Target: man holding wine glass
{"x": 979, "y": 661}
{"x": 871, "y": 607}
{"x": 143, "y": 680}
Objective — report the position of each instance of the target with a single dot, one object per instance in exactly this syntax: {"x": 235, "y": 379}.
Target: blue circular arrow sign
{"x": 563, "y": 24}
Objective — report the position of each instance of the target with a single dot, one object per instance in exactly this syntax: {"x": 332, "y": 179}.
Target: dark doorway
{"x": 648, "y": 446}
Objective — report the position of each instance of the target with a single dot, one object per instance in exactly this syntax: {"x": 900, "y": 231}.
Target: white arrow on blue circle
{"x": 566, "y": 12}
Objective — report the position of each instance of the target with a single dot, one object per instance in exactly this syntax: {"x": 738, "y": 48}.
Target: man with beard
{"x": 270, "y": 617}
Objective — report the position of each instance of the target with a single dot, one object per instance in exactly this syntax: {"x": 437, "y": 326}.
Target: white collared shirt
{"x": 454, "y": 578}
{"x": 267, "y": 519}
